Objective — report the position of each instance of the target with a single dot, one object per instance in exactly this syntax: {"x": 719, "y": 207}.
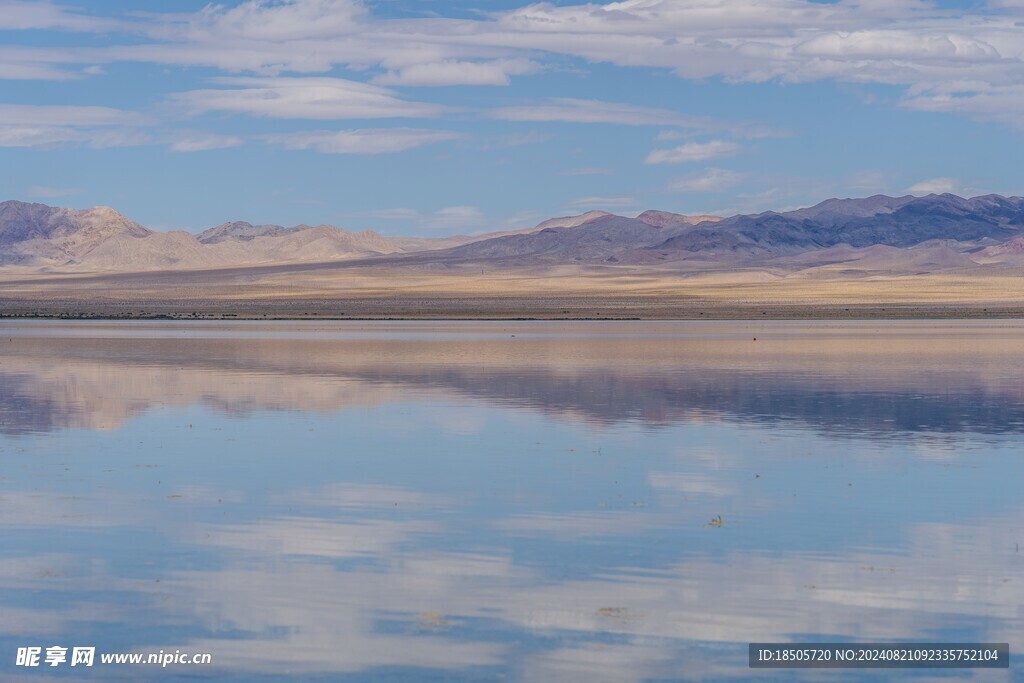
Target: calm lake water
{"x": 522, "y": 502}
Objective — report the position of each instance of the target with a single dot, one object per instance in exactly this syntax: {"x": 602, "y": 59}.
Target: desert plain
{"x": 368, "y": 290}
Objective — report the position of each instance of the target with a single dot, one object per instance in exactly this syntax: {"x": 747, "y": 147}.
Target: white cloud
{"x": 117, "y": 137}
{"x": 361, "y": 140}
{"x": 274, "y": 21}
{"x": 692, "y": 151}
{"x": 711, "y": 180}
{"x": 737, "y": 129}
{"x": 935, "y": 186}
{"x": 24, "y": 125}
{"x": 775, "y": 39}
{"x": 456, "y": 218}
{"x": 980, "y": 100}
{"x": 303, "y": 98}
{"x": 880, "y": 44}
{"x": 670, "y": 136}
{"x": 771, "y": 194}
{"x": 57, "y": 115}
{"x": 20, "y": 15}
{"x": 270, "y": 37}
{"x": 454, "y": 72}
{"x": 27, "y": 71}
{"x": 21, "y": 62}
{"x": 36, "y": 136}
{"x": 906, "y": 43}
{"x": 572, "y": 110}
{"x": 199, "y": 141}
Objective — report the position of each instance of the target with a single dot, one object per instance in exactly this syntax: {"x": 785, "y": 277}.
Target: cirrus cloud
{"x": 199, "y": 141}
{"x": 574, "y": 110}
{"x": 692, "y": 151}
{"x": 27, "y": 125}
{"x": 455, "y": 72}
{"x": 456, "y": 218}
{"x": 303, "y": 98}
{"x": 361, "y": 140}
{"x": 935, "y": 186}
{"x": 711, "y": 180}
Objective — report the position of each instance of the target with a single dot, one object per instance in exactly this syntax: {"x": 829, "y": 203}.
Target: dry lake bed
{"x": 506, "y": 501}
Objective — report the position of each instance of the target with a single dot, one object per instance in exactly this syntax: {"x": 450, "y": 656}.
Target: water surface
{"x": 506, "y": 501}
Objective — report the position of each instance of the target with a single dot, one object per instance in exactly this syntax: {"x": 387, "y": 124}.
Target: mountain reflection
{"x": 850, "y": 379}
{"x": 424, "y": 540}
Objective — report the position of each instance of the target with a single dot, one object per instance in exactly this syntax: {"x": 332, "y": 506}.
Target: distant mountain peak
{"x": 664, "y": 219}
{"x": 864, "y": 206}
{"x": 242, "y": 231}
{"x": 41, "y": 236}
{"x": 571, "y": 221}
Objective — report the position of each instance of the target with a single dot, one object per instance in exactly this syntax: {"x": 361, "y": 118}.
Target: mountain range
{"x": 935, "y": 232}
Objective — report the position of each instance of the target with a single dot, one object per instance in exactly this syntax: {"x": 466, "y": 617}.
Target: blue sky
{"x": 432, "y": 117}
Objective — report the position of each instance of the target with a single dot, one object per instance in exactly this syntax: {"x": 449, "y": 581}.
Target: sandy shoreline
{"x": 490, "y": 309}
{"x": 359, "y": 290}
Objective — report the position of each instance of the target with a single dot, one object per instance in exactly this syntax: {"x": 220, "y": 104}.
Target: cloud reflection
{"x": 366, "y": 566}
